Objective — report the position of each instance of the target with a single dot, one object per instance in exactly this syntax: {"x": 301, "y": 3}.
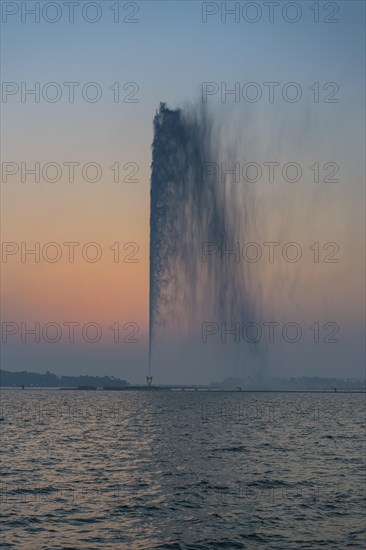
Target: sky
{"x": 164, "y": 51}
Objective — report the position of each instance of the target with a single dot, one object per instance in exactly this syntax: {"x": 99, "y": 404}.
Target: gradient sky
{"x": 169, "y": 52}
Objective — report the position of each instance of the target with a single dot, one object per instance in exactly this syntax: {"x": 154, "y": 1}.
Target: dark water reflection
{"x": 182, "y": 470}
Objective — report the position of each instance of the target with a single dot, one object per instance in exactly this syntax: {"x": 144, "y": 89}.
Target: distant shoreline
{"x": 176, "y": 389}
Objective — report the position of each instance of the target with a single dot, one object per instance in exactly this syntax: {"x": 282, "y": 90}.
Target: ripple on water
{"x": 147, "y": 470}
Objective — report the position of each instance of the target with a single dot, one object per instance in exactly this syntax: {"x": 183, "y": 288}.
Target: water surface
{"x": 192, "y": 470}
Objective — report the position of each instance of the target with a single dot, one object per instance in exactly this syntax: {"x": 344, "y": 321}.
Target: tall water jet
{"x": 191, "y": 212}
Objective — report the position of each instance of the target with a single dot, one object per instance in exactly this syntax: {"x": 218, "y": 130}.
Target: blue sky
{"x": 169, "y": 52}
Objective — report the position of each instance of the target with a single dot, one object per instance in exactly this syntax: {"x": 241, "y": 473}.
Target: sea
{"x": 182, "y": 470}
